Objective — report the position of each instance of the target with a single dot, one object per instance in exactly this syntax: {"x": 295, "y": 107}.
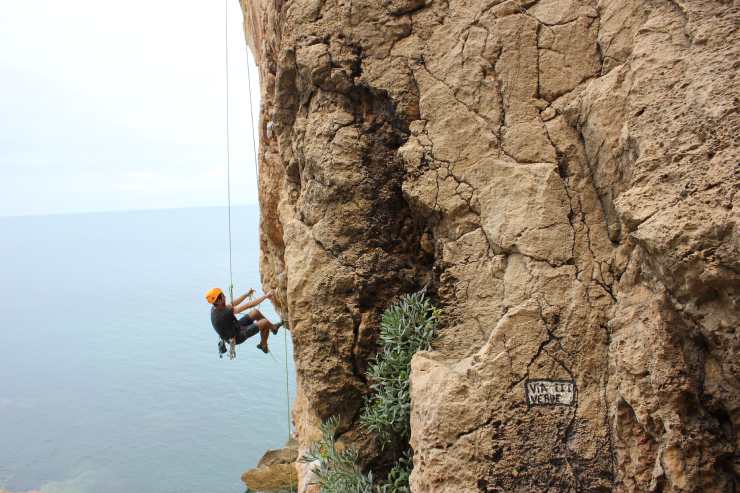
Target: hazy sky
{"x": 121, "y": 105}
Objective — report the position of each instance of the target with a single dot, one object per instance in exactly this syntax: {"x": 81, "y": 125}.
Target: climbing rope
{"x": 232, "y": 343}
{"x": 251, "y": 127}
{"x": 287, "y": 374}
{"x": 228, "y": 152}
{"x": 287, "y": 392}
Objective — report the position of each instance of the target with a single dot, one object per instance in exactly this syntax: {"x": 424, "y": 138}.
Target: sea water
{"x": 110, "y": 379}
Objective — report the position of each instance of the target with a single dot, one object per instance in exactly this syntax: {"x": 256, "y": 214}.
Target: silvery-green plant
{"x": 336, "y": 471}
{"x": 398, "y": 477}
{"x": 405, "y": 328}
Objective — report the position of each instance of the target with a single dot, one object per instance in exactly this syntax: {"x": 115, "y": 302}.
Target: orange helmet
{"x": 213, "y": 294}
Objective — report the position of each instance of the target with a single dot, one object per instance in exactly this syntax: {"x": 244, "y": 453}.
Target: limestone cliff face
{"x": 563, "y": 176}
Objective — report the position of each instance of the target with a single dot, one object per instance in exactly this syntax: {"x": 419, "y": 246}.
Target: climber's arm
{"x": 239, "y": 299}
{"x": 252, "y": 304}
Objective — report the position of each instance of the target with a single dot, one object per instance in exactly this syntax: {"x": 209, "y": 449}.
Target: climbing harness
{"x": 232, "y": 341}
{"x": 232, "y": 348}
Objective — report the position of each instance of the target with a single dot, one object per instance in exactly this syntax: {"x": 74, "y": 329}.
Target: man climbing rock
{"x": 228, "y": 327}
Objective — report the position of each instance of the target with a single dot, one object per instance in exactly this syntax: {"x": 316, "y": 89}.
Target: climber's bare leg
{"x": 256, "y": 315}
{"x": 265, "y": 327}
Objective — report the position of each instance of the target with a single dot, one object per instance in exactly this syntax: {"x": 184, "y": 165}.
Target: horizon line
{"x": 114, "y": 211}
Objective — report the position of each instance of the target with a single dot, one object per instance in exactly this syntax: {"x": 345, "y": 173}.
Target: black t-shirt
{"x": 224, "y": 322}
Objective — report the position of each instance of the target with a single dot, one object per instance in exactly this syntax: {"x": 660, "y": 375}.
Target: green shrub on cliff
{"x": 405, "y": 328}
{"x": 398, "y": 477}
{"x": 336, "y": 471}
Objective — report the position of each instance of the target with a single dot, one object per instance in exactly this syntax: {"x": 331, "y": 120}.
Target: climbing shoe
{"x": 261, "y": 348}
{"x": 277, "y": 326}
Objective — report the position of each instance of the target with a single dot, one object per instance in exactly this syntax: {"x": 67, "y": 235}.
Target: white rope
{"x": 251, "y": 127}
{"x": 228, "y": 152}
{"x": 232, "y": 342}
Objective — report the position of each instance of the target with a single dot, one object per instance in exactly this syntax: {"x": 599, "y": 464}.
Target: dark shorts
{"x": 247, "y": 328}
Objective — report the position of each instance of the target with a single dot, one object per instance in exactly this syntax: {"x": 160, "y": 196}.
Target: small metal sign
{"x": 550, "y": 392}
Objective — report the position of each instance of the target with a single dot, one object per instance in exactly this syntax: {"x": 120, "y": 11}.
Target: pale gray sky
{"x": 121, "y": 105}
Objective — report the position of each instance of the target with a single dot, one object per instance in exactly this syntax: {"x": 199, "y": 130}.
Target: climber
{"x": 228, "y": 327}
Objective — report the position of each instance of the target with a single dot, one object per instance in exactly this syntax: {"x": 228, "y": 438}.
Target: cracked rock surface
{"x": 562, "y": 175}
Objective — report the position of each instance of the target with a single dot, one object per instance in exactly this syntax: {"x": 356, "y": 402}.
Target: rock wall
{"x": 562, "y": 175}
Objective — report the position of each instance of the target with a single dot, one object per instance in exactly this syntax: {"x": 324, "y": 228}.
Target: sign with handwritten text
{"x": 550, "y": 392}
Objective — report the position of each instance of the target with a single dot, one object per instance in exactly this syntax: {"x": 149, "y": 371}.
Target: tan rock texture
{"x": 275, "y": 478}
{"x": 562, "y": 174}
{"x": 276, "y": 470}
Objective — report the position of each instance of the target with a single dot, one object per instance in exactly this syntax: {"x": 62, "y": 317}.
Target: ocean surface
{"x": 110, "y": 380}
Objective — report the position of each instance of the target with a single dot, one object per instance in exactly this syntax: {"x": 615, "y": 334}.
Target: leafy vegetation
{"x": 337, "y": 471}
{"x": 398, "y": 477}
{"x": 406, "y": 327}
